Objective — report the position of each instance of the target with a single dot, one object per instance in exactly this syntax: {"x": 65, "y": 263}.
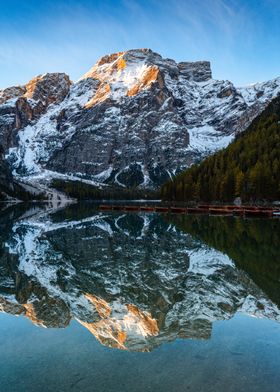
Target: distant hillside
{"x": 249, "y": 167}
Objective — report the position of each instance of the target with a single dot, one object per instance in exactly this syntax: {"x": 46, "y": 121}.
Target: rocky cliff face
{"x": 133, "y": 280}
{"x": 135, "y": 119}
{"x": 23, "y": 105}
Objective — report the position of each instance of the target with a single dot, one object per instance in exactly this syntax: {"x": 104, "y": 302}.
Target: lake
{"x": 114, "y": 301}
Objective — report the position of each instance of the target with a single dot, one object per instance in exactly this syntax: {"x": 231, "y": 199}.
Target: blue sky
{"x": 241, "y": 38}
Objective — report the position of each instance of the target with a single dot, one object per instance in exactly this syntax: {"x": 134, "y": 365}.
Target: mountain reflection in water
{"x": 137, "y": 280}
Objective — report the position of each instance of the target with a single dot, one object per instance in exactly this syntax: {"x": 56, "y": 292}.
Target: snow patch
{"x": 206, "y": 139}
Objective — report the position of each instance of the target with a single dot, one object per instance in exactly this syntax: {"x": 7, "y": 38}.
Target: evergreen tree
{"x": 249, "y": 167}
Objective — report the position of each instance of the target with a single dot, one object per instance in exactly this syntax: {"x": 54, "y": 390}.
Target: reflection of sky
{"x": 133, "y": 280}
{"x": 238, "y": 355}
{"x": 240, "y": 38}
{"x": 168, "y": 294}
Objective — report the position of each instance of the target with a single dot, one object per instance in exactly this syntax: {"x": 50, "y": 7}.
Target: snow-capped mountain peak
{"x": 121, "y": 74}
{"x": 134, "y": 119}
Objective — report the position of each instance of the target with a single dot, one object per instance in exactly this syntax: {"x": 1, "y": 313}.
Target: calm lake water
{"x": 118, "y": 301}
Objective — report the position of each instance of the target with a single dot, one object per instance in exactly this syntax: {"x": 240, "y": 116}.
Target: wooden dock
{"x": 247, "y": 211}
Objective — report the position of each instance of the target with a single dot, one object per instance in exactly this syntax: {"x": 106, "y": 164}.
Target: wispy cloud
{"x": 70, "y": 35}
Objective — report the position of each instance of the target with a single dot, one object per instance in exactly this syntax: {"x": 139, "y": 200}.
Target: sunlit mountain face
{"x": 135, "y": 281}
{"x": 135, "y": 119}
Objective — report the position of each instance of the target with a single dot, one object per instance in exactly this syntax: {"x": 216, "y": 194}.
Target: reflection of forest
{"x": 253, "y": 244}
{"x": 132, "y": 279}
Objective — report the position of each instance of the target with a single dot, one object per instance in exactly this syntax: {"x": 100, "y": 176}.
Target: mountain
{"x": 249, "y": 167}
{"x": 135, "y": 281}
{"x": 134, "y": 119}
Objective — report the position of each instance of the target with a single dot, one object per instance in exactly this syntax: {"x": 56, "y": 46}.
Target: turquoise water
{"x": 243, "y": 354}
{"x": 138, "y": 302}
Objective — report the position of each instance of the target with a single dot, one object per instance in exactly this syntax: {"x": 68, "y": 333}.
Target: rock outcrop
{"x": 198, "y": 71}
{"x": 22, "y": 105}
{"x": 135, "y": 119}
{"x": 11, "y": 93}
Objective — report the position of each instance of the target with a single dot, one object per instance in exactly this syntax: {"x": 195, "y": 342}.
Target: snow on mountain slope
{"x": 134, "y": 119}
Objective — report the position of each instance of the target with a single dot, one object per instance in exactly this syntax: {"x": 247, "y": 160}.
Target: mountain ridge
{"x": 133, "y": 120}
